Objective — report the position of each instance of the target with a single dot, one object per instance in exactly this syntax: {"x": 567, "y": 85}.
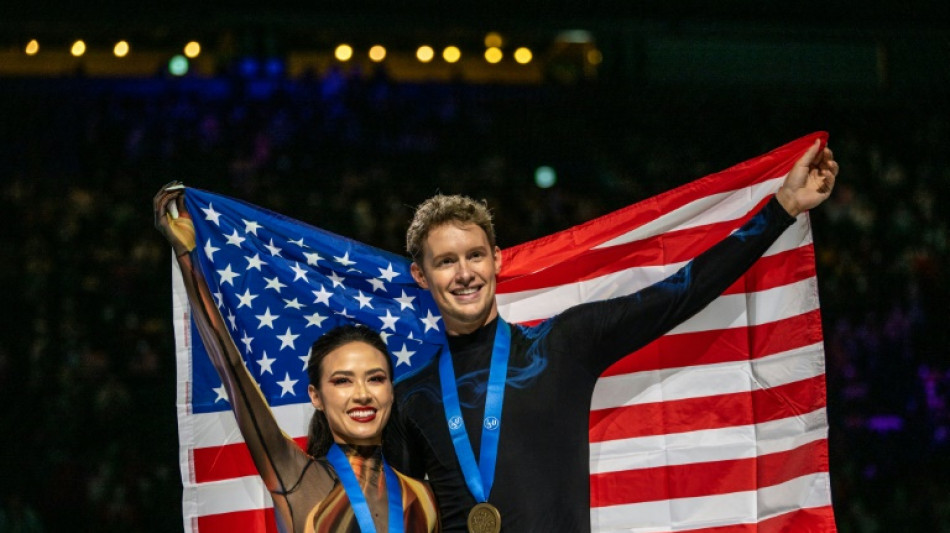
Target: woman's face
{"x": 355, "y": 392}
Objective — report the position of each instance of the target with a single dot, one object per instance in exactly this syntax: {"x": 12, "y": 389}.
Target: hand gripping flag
{"x": 718, "y": 426}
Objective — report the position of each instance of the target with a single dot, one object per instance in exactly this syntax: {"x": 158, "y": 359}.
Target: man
{"x": 499, "y": 421}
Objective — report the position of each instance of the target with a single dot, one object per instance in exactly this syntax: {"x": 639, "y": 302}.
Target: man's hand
{"x": 810, "y": 181}
{"x": 172, "y": 219}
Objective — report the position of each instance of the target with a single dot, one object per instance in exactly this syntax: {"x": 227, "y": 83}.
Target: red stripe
{"x": 813, "y": 520}
{"x": 216, "y": 463}
{"x": 722, "y": 345}
{"x": 670, "y": 247}
{"x": 562, "y": 246}
{"x": 705, "y": 479}
{"x": 252, "y": 521}
{"x": 709, "y": 412}
{"x": 777, "y": 270}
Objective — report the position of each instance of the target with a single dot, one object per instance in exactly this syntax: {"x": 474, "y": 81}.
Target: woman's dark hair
{"x": 320, "y": 438}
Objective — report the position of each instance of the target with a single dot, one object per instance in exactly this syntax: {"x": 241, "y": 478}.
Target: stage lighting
{"x": 493, "y": 40}
{"x": 493, "y": 55}
{"x": 78, "y": 48}
{"x": 192, "y": 49}
{"x": 377, "y": 53}
{"x": 343, "y": 52}
{"x": 425, "y": 53}
{"x": 451, "y": 54}
{"x": 178, "y": 65}
{"x": 545, "y": 177}
{"x": 121, "y": 49}
{"x": 523, "y": 55}
{"x": 32, "y": 47}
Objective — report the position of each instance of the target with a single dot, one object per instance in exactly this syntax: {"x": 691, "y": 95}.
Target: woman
{"x": 341, "y": 484}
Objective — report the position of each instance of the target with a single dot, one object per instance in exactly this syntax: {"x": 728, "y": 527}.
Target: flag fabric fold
{"x": 719, "y": 425}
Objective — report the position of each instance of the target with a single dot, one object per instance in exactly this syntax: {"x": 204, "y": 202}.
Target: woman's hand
{"x": 172, "y": 219}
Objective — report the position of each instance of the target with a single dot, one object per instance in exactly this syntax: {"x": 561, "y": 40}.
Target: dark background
{"x": 88, "y": 436}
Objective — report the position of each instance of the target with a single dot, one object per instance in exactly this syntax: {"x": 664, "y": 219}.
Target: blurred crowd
{"x": 87, "y": 377}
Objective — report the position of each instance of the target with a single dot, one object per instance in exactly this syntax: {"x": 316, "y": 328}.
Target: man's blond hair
{"x": 444, "y": 209}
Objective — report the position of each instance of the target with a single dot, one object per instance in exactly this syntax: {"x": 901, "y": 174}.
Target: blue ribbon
{"x": 478, "y": 476}
{"x": 351, "y": 485}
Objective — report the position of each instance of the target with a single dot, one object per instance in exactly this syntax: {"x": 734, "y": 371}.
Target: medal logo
{"x": 491, "y": 423}
{"x": 455, "y": 422}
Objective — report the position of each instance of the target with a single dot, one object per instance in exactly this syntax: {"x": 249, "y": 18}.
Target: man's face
{"x": 459, "y": 268}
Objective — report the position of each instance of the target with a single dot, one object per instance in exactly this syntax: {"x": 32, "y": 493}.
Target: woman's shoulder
{"x": 418, "y": 502}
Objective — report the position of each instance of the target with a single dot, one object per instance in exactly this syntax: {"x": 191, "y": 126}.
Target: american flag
{"x": 718, "y": 426}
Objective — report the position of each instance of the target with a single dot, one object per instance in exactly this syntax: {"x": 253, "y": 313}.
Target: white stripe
{"x": 708, "y": 445}
{"x": 716, "y": 379}
{"x": 228, "y": 496}
{"x": 181, "y": 319}
{"x": 715, "y": 208}
{"x": 221, "y": 428}
{"x": 748, "y": 507}
{"x": 536, "y": 304}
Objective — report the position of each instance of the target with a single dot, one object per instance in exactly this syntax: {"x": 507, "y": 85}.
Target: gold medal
{"x": 484, "y": 518}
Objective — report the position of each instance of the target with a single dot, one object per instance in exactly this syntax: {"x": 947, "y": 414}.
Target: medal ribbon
{"x": 351, "y": 485}
{"x": 478, "y": 476}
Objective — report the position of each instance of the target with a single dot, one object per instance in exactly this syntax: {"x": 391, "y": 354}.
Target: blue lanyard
{"x": 351, "y": 485}
{"x": 478, "y": 476}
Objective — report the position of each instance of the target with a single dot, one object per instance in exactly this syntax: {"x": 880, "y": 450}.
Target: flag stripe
{"x": 700, "y": 479}
{"x": 737, "y": 442}
{"x": 217, "y": 463}
{"x": 259, "y": 520}
{"x": 535, "y": 304}
{"x": 719, "y": 346}
{"x": 804, "y": 492}
{"x": 709, "y": 380}
{"x": 709, "y": 412}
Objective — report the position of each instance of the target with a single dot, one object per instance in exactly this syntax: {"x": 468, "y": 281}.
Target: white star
{"x": 210, "y": 250}
{"x": 315, "y": 319}
{"x": 267, "y": 319}
{"x": 246, "y": 298}
{"x": 274, "y": 283}
{"x": 219, "y": 299}
{"x": 251, "y": 227}
{"x": 322, "y": 296}
{"x": 222, "y": 394}
{"x": 273, "y": 249}
{"x": 345, "y": 260}
{"x": 255, "y": 262}
{"x": 389, "y": 321}
{"x": 385, "y": 336}
{"x": 312, "y": 258}
{"x": 342, "y": 313}
{"x": 388, "y": 274}
{"x": 211, "y": 214}
{"x": 287, "y": 340}
{"x": 247, "y": 342}
{"x": 235, "y": 239}
{"x": 299, "y": 272}
{"x": 404, "y": 356}
{"x": 293, "y": 304}
{"x": 377, "y": 284}
{"x": 228, "y": 275}
{"x": 364, "y": 300}
{"x": 265, "y": 363}
{"x": 306, "y": 361}
{"x": 287, "y": 385}
{"x": 337, "y": 280}
{"x": 405, "y": 301}
{"x": 298, "y": 242}
{"x": 232, "y": 319}
{"x": 431, "y": 321}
